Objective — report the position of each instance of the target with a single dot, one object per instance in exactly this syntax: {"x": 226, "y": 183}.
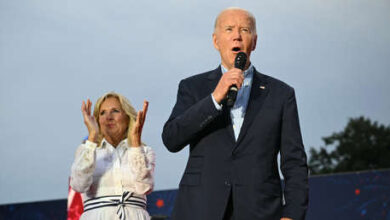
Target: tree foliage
{"x": 361, "y": 145}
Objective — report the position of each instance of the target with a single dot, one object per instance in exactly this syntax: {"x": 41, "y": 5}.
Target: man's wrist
{"x": 216, "y": 104}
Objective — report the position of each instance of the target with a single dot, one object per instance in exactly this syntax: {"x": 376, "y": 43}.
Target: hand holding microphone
{"x": 231, "y": 81}
{"x": 239, "y": 63}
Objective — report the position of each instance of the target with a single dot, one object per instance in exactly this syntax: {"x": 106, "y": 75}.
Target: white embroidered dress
{"x": 107, "y": 171}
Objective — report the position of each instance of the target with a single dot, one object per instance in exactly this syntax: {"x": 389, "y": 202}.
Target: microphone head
{"x": 240, "y": 61}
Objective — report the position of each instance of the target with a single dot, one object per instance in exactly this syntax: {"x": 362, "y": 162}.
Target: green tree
{"x": 361, "y": 145}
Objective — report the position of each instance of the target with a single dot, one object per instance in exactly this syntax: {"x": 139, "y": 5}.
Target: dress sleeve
{"x": 83, "y": 167}
{"x": 142, "y": 161}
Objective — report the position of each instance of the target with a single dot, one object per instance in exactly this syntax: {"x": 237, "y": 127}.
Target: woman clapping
{"x": 113, "y": 169}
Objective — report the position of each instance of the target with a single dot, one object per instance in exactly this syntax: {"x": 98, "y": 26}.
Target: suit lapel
{"x": 214, "y": 78}
{"x": 259, "y": 92}
{"x": 229, "y": 127}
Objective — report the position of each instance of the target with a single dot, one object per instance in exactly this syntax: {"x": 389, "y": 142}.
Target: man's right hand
{"x": 232, "y": 77}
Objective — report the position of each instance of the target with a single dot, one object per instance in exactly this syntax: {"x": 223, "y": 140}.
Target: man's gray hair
{"x": 250, "y": 16}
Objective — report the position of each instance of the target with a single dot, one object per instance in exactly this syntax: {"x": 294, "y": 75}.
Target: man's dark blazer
{"x": 247, "y": 169}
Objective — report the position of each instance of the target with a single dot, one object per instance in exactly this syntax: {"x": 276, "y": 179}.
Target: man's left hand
{"x": 286, "y": 219}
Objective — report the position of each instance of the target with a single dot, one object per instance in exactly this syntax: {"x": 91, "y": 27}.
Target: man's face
{"x": 234, "y": 34}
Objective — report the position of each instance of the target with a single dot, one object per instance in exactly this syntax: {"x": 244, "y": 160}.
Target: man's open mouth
{"x": 236, "y": 49}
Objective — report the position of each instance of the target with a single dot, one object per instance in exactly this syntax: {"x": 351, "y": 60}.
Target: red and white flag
{"x": 75, "y": 205}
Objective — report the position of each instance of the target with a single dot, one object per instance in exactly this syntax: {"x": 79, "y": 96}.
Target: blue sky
{"x": 54, "y": 54}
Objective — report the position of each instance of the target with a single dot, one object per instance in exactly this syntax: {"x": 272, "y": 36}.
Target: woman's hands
{"x": 90, "y": 121}
{"x": 136, "y": 131}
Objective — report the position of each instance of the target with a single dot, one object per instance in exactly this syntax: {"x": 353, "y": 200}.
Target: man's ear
{"x": 215, "y": 41}
{"x": 254, "y": 43}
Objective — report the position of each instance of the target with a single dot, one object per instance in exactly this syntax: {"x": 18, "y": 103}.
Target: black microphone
{"x": 239, "y": 63}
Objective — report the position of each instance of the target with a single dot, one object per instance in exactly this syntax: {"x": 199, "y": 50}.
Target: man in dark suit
{"x": 232, "y": 170}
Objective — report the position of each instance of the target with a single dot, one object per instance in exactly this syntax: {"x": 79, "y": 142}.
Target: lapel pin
{"x": 262, "y": 87}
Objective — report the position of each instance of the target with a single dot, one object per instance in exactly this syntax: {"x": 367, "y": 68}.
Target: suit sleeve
{"x": 189, "y": 116}
{"x": 293, "y": 162}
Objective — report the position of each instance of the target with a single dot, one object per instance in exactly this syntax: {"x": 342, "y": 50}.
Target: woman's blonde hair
{"x": 126, "y": 107}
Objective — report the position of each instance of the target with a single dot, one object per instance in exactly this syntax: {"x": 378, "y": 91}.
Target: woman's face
{"x": 113, "y": 120}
